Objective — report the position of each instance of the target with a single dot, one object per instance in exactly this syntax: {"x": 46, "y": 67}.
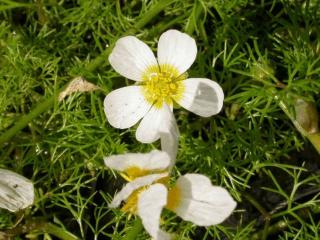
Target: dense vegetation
{"x": 263, "y": 147}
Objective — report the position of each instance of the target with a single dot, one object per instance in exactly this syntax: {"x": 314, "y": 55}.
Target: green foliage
{"x": 265, "y": 54}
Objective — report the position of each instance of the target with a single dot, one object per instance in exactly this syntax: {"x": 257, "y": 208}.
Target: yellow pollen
{"x": 134, "y": 172}
{"x": 131, "y": 204}
{"x": 174, "y": 197}
{"x": 162, "y": 84}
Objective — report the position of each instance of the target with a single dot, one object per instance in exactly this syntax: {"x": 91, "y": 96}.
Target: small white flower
{"x": 16, "y": 191}
{"x": 134, "y": 165}
{"x": 160, "y": 83}
{"x": 140, "y": 170}
{"x": 193, "y": 197}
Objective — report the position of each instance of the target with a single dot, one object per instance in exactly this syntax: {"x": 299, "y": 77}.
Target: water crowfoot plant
{"x": 193, "y": 197}
{"x": 160, "y": 83}
{"x": 261, "y": 147}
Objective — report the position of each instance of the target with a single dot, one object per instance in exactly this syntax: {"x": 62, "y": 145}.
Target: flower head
{"x": 140, "y": 170}
{"x": 193, "y": 197}
{"x": 16, "y": 191}
{"x": 160, "y": 83}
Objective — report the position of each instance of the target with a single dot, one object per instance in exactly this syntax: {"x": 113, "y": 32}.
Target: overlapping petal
{"x": 130, "y": 187}
{"x": 150, "y": 205}
{"x": 149, "y": 128}
{"x": 154, "y": 161}
{"x": 169, "y": 135}
{"x": 125, "y": 106}
{"x": 177, "y": 49}
{"x": 131, "y": 57}
{"x": 202, "y": 96}
{"x": 202, "y": 203}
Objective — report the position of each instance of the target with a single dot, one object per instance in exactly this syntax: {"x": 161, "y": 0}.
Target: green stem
{"x": 25, "y": 120}
{"x": 135, "y": 230}
{"x": 59, "y": 232}
{"x": 39, "y": 225}
{"x": 257, "y": 205}
{"x": 283, "y": 224}
{"x": 154, "y": 11}
{"x": 7, "y": 4}
{"x": 93, "y": 65}
{"x": 194, "y": 18}
{"x": 261, "y": 209}
{"x": 277, "y": 227}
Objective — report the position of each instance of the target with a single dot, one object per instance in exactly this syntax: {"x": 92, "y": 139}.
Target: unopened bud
{"x": 306, "y": 115}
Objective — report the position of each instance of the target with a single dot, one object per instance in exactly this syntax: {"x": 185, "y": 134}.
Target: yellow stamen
{"x": 131, "y": 205}
{"x": 163, "y": 84}
{"x": 134, "y": 172}
{"x": 174, "y": 197}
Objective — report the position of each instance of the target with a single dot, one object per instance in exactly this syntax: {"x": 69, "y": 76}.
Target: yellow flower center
{"x": 174, "y": 197}
{"x": 131, "y": 204}
{"x": 162, "y": 84}
{"x": 134, "y": 172}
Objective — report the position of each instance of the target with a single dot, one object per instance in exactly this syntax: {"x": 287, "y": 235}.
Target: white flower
{"x": 160, "y": 83}
{"x": 16, "y": 191}
{"x": 134, "y": 165}
{"x": 193, "y": 197}
{"x": 140, "y": 170}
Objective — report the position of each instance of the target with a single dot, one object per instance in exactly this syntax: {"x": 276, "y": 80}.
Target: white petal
{"x": 202, "y": 96}
{"x": 125, "y": 106}
{"x": 149, "y": 128}
{"x": 131, "y": 57}
{"x": 134, "y": 185}
{"x": 177, "y": 49}
{"x": 201, "y": 202}
{"x": 16, "y": 191}
{"x": 169, "y": 135}
{"x": 155, "y": 160}
{"x": 150, "y": 205}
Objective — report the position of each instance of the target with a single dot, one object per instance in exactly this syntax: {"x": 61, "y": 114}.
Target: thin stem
{"x": 135, "y": 230}
{"x": 154, "y": 11}
{"x": 283, "y": 224}
{"x": 263, "y": 211}
{"x": 36, "y": 225}
{"x": 193, "y": 19}
{"x": 59, "y": 232}
{"x": 257, "y": 205}
{"x": 24, "y": 121}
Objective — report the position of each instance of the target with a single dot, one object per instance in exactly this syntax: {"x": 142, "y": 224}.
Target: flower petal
{"x": 169, "y": 135}
{"x": 200, "y": 202}
{"x": 149, "y": 128}
{"x": 125, "y": 106}
{"x": 131, "y": 57}
{"x": 150, "y": 205}
{"x": 177, "y": 49}
{"x": 134, "y": 185}
{"x": 155, "y": 160}
{"x": 16, "y": 191}
{"x": 202, "y": 96}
